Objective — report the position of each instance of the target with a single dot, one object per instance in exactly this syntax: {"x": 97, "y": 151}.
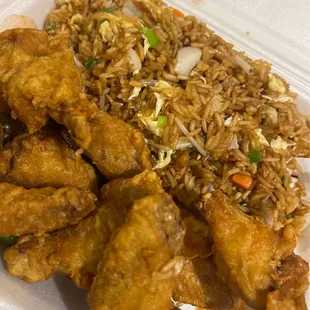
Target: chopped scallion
{"x": 202, "y": 136}
{"x": 255, "y": 156}
{"x": 291, "y": 215}
{"x": 243, "y": 203}
{"x": 162, "y": 121}
{"x": 90, "y": 61}
{"x": 214, "y": 162}
{"x": 109, "y": 10}
{"x": 9, "y": 240}
{"x": 151, "y": 36}
{"x": 51, "y": 29}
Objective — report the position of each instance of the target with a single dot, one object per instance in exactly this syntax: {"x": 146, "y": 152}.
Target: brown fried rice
{"x": 227, "y": 106}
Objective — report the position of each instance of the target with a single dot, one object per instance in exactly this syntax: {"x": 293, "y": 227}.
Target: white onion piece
{"x": 234, "y": 143}
{"x": 243, "y": 64}
{"x": 129, "y": 9}
{"x": 78, "y": 64}
{"x": 190, "y": 138}
{"x": 17, "y": 21}
{"x": 134, "y": 61}
{"x": 102, "y": 101}
{"x": 183, "y": 145}
{"x": 187, "y": 58}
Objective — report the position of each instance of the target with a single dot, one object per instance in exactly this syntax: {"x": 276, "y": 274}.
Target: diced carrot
{"x": 177, "y": 13}
{"x": 241, "y": 180}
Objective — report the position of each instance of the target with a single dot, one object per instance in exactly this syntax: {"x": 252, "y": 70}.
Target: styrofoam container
{"x": 277, "y": 31}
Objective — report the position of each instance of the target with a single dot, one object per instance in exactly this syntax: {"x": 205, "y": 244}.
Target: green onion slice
{"x": 151, "y": 36}
{"x": 255, "y": 156}
{"x": 162, "y": 121}
{"x": 109, "y": 10}
{"x": 9, "y": 240}
{"x": 51, "y": 28}
{"x": 90, "y": 61}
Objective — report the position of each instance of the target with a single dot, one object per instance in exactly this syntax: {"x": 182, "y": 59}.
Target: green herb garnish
{"x": 151, "y": 36}
{"x": 90, "y": 61}
{"x": 202, "y": 136}
{"x": 109, "y": 10}
{"x": 255, "y": 156}
{"x": 162, "y": 121}
{"x": 9, "y": 240}
{"x": 51, "y": 29}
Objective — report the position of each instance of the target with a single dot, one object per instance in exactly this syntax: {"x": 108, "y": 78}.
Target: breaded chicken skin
{"x": 25, "y": 211}
{"x": 77, "y": 250}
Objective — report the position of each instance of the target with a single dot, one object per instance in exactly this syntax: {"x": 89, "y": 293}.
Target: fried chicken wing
{"x": 77, "y": 250}
{"x": 139, "y": 265}
{"x": 39, "y": 210}
{"x": 198, "y": 284}
{"x": 291, "y": 284}
{"x": 197, "y": 239}
{"x": 33, "y": 69}
{"x": 43, "y": 159}
{"x": 41, "y": 81}
{"x": 246, "y": 251}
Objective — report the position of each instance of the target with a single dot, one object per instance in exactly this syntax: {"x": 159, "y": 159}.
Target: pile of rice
{"x": 215, "y": 104}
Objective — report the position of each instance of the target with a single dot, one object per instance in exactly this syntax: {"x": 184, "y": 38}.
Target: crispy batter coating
{"x": 292, "y": 280}
{"x": 246, "y": 251}
{"x": 35, "y": 72}
{"x": 197, "y": 239}
{"x": 41, "y": 81}
{"x": 139, "y": 265}
{"x": 44, "y": 159}
{"x": 77, "y": 250}
{"x": 39, "y": 210}
{"x": 198, "y": 283}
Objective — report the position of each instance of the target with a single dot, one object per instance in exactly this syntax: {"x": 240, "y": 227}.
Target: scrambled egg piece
{"x": 278, "y": 145}
{"x": 262, "y": 139}
{"x": 272, "y": 115}
{"x": 164, "y": 158}
{"x": 106, "y": 31}
{"x": 146, "y": 45}
{"x": 135, "y": 93}
{"x": 150, "y": 122}
{"x": 162, "y": 87}
{"x": 228, "y": 121}
{"x": 276, "y": 84}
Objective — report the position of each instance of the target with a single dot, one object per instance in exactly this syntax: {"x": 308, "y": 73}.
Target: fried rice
{"x": 211, "y": 115}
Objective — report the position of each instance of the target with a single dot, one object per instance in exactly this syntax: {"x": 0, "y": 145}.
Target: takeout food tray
{"x": 277, "y": 31}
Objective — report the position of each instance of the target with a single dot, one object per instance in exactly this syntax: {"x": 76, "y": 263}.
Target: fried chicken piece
{"x": 246, "y": 251}
{"x": 41, "y": 80}
{"x": 77, "y": 250}
{"x": 291, "y": 284}
{"x": 11, "y": 127}
{"x": 39, "y": 210}
{"x": 198, "y": 283}
{"x": 197, "y": 239}
{"x": 139, "y": 265}
{"x": 34, "y": 70}
{"x": 44, "y": 159}
{"x": 116, "y": 148}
